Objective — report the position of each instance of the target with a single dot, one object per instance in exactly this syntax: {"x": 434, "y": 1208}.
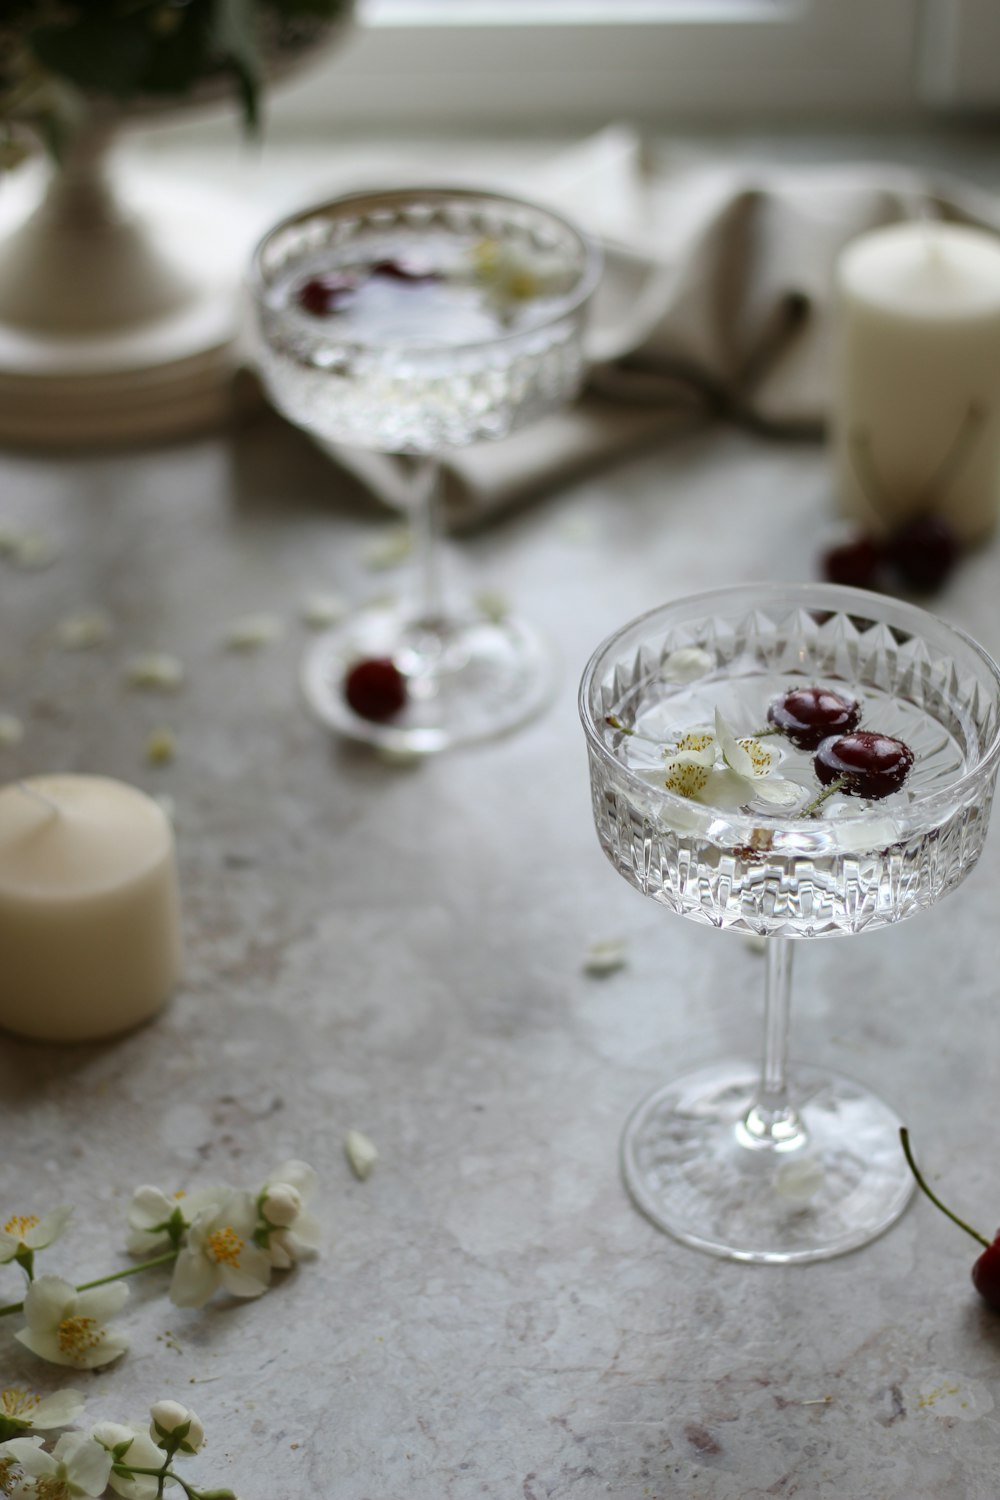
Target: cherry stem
{"x": 904, "y": 1136}
{"x": 813, "y": 807}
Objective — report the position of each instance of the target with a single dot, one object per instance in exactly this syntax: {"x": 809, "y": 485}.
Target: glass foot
{"x": 468, "y": 678}
{"x": 692, "y": 1170}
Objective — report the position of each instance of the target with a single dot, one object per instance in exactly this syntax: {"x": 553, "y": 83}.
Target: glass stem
{"x": 426, "y": 523}
{"x": 771, "y": 1120}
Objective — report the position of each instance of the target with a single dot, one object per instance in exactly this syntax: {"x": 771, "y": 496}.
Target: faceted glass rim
{"x": 820, "y": 596}
{"x": 332, "y": 208}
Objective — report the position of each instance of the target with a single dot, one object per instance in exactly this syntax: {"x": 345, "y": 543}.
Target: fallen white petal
{"x": 733, "y": 752}
{"x": 798, "y": 1182}
{"x": 155, "y": 670}
{"x": 251, "y": 632}
{"x": 87, "y": 627}
{"x": 361, "y": 1153}
{"x": 605, "y": 956}
{"x": 321, "y": 610}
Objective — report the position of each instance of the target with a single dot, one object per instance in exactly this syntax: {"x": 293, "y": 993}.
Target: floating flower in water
{"x": 748, "y": 773}
{"x": 516, "y": 273}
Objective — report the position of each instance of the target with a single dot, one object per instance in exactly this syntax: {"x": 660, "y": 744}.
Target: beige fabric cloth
{"x": 715, "y": 302}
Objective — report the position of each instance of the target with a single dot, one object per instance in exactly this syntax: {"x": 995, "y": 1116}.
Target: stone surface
{"x": 402, "y": 951}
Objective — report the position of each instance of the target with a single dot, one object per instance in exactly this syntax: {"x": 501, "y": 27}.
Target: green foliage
{"x": 124, "y": 49}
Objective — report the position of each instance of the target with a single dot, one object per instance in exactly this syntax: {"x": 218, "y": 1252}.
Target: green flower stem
{"x": 813, "y": 807}
{"x": 904, "y": 1136}
{"x": 126, "y": 1471}
{"x": 86, "y": 1286}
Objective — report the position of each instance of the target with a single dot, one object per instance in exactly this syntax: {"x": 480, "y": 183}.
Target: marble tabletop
{"x": 401, "y": 950}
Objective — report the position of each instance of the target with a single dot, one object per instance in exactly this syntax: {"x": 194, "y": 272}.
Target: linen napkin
{"x": 715, "y": 302}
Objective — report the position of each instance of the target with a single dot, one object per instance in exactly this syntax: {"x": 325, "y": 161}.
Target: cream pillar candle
{"x": 89, "y": 922}
{"x": 916, "y": 408}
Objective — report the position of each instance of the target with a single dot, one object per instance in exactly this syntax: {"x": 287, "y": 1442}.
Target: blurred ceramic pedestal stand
{"x": 118, "y": 302}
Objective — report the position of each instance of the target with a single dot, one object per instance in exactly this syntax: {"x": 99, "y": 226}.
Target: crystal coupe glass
{"x": 771, "y": 1164}
{"x": 413, "y": 321}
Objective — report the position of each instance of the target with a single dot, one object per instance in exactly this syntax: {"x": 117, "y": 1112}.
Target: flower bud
{"x": 176, "y": 1428}
{"x": 281, "y": 1205}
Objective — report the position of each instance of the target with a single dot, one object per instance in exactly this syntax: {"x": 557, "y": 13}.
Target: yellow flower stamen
{"x": 686, "y": 780}
{"x": 762, "y": 759}
{"x": 7, "y": 1476}
{"x": 51, "y": 1487}
{"x": 18, "y": 1403}
{"x": 77, "y": 1335}
{"x": 697, "y": 740}
{"x": 19, "y": 1224}
{"x": 181, "y": 1193}
{"x": 224, "y": 1246}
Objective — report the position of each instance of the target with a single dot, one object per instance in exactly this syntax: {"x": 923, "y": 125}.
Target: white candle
{"x": 89, "y": 913}
{"x": 916, "y": 411}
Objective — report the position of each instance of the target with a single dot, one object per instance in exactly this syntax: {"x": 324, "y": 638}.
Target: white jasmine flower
{"x": 687, "y": 664}
{"x": 605, "y": 956}
{"x": 517, "y": 273}
{"x": 76, "y": 1466}
{"x": 361, "y": 1153}
{"x": 85, "y": 628}
{"x": 251, "y": 632}
{"x": 158, "y": 1222}
{"x": 131, "y": 1445}
{"x": 154, "y": 670}
{"x": 24, "y": 1233}
{"x": 25, "y": 1411}
{"x": 747, "y": 773}
{"x": 687, "y": 769}
{"x": 288, "y": 1229}
{"x": 175, "y": 1427}
{"x": 11, "y": 730}
{"x": 322, "y": 610}
{"x": 221, "y": 1251}
{"x": 68, "y": 1327}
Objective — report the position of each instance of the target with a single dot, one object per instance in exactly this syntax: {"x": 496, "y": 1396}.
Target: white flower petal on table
{"x": 58, "y": 1410}
{"x": 46, "y": 1301}
{"x": 321, "y": 610}
{"x": 83, "y": 629}
{"x": 252, "y": 632}
{"x": 605, "y": 956}
{"x": 361, "y": 1153}
{"x": 29, "y": 1453}
{"x": 49, "y": 1228}
{"x": 156, "y": 671}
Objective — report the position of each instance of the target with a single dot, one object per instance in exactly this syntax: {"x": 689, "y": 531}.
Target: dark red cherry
{"x": 867, "y": 764}
{"x": 855, "y": 564}
{"x": 323, "y": 295}
{"x": 810, "y": 714}
{"x": 986, "y": 1275}
{"x": 923, "y": 553}
{"x": 405, "y": 270}
{"x": 375, "y": 688}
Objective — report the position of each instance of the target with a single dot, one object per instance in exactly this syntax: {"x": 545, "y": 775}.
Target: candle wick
{"x": 33, "y": 792}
